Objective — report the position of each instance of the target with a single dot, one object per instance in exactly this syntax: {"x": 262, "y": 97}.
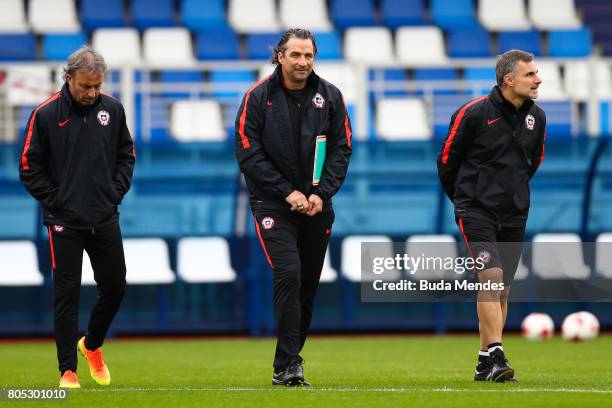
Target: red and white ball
{"x": 580, "y": 326}
{"x": 538, "y": 326}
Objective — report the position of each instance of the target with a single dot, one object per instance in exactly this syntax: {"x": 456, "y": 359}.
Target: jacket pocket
{"x": 108, "y": 196}
{"x": 116, "y": 196}
{"x": 521, "y": 196}
{"x": 59, "y": 200}
{"x": 491, "y": 186}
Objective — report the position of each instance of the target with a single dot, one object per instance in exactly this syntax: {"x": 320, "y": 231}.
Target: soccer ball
{"x": 538, "y": 326}
{"x": 580, "y": 326}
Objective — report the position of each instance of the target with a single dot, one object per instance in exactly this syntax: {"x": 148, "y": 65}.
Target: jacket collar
{"x": 513, "y": 116}
{"x": 505, "y": 105}
{"x": 276, "y": 80}
{"x": 74, "y": 105}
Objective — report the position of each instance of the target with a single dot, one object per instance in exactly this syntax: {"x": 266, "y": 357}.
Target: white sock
{"x": 483, "y": 353}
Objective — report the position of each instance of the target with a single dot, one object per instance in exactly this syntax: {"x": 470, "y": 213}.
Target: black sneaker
{"x": 483, "y": 368}
{"x": 292, "y": 375}
{"x": 500, "y": 370}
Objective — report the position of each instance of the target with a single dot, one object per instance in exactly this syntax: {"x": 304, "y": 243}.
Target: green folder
{"x": 319, "y": 159}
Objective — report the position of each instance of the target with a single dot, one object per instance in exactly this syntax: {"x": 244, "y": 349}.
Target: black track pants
{"x": 105, "y": 249}
{"x": 295, "y": 246}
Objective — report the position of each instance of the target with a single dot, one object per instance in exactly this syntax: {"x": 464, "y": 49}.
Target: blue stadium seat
{"x": 17, "y": 47}
{"x": 522, "y": 40}
{"x": 480, "y": 73}
{"x": 102, "y": 13}
{"x": 352, "y": 13}
{"x": 432, "y": 74}
{"x": 397, "y": 13}
{"x": 454, "y": 14}
{"x": 180, "y": 76}
{"x": 329, "y": 46}
{"x": 18, "y": 217}
{"x": 480, "y": 80}
{"x": 200, "y": 15}
{"x": 173, "y": 76}
{"x": 57, "y": 47}
{"x": 220, "y": 77}
{"x": 258, "y": 45}
{"x": 469, "y": 43}
{"x": 559, "y": 120}
{"x": 443, "y": 107}
{"x": 217, "y": 45}
{"x": 570, "y": 43}
{"x": 380, "y": 76}
{"x": 437, "y": 74}
{"x": 390, "y": 74}
{"x": 160, "y": 121}
{"x": 152, "y": 13}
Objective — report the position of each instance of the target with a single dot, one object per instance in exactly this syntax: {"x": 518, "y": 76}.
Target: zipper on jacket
{"x": 93, "y": 231}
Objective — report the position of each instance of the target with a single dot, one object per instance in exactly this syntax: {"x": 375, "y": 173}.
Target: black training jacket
{"x": 77, "y": 161}
{"x": 489, "y": 155}
{"x": 265, "y": 147}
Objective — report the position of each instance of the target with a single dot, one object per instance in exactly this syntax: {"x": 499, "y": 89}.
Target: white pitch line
{"x": 357, "y": 390}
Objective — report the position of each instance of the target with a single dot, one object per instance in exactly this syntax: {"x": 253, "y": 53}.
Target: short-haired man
{"x": 77, "y": 161}
{"x": 494, "y": 146}
{"x": 293, "y": 145}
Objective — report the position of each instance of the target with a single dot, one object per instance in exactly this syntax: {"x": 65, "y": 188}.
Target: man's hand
{"x": 315, "y": 205}
{"x": 298, "y": 201}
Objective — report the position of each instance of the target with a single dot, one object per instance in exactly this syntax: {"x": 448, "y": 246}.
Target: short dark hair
{"x": 507, "y": 63}
{"x": 287, "y": 35}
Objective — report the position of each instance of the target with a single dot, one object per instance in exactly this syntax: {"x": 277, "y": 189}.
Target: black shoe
{"x": 483, "y": 368}
{"x": 500, "y": 370}
{"x": 292, "y": 375}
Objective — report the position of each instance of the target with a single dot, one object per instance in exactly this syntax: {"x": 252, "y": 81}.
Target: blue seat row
{"x": 448, "y": 14}
{"x": 223, "y": 44}
{"x": 194, "y": 14}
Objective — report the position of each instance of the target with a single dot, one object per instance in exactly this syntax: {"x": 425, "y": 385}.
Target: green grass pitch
{"x": 423, "y": 371}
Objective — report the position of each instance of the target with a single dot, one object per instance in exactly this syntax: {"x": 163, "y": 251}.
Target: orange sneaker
{"x": 95, "y": 359}
{"x": 69, "y": 380}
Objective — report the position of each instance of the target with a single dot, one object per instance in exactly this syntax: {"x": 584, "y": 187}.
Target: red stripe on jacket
{"x": 26, "y": 147}
{"x": 347, "y": 128}
{"x": 245, "y": 140}
{"x": 542, "y": 156}
{"x": 455, "y": 127}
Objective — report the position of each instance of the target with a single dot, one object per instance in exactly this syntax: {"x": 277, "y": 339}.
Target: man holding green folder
{"x": 293, "y": 145}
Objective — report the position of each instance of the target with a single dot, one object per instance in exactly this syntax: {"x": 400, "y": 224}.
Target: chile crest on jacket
{"x": 530, "y": 121}
{"x": 318, "y": 101}
{"x": 103, "y": 118}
